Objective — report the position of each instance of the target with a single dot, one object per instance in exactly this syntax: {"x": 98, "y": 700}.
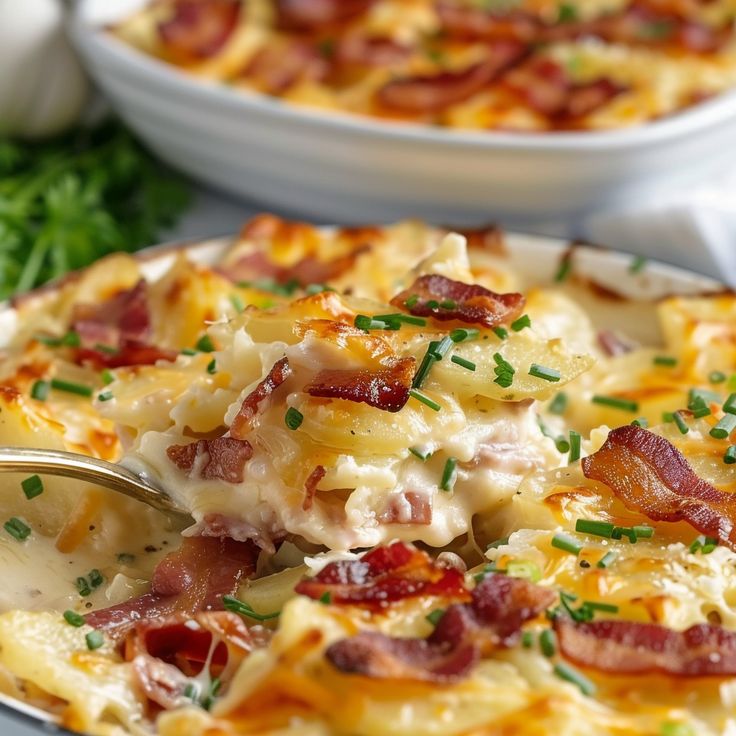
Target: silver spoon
{"x": 89, "y": 469}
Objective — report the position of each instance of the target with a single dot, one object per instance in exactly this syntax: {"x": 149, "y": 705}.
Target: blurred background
{"x": 124, "y": 123}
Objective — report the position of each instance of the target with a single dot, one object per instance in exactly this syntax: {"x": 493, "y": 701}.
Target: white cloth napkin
{"x": 695, "y": 229}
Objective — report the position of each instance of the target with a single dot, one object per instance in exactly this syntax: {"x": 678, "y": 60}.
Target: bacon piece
{"x": 359, "y": 49}
{"x": 408, "y": 507}
{"x": 632, "y": 648}
{"x": 222, "y": 458}
{"x": 432, "y": 92}
{"x": 192, "y": 578}
{"x": 472, "y": 303}
{"x": 256, "y": 402}
{"x": 651, "y": 476}
{"x": 500, "y": 605}
{"x": 129, "y": 353}
{"x": 386, "y": 388}
{"x": 316, "y": 14}
{"x": 198, "y": 29}
{"x": 310, "y": 487}
{"x": 276, "y": 68}
{"x": 474, "y": 23}
{"x": 384, "y": 575}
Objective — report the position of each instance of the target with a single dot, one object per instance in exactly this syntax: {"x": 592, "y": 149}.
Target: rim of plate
{"x": 94, "y": 40}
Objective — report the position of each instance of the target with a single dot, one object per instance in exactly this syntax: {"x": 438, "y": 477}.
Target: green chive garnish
{"x": 527, "y": 639}
{"x": 83, "y": 587}
{"x": 717, "y": 377}
{"x": 546, "y": 374}
{"x": 501, "y": 332}
{"x": 293, "y": 418}
{"x": 524, "y": 569}
{"x": 575, "y": 441}
{"x": 412, "y": 301}
{"x": 504, "y": 371}
{"x": 725, "y": 426}
{"x": 231, "y": 603}
{"x": 109, "y": 349}
{"x": 205, "y": 344}
{"x": 641, "y": 422}
{"x": 729, "y": 456}
{"x": 566, "y": 544}
{"x": 547, "y": 643}
{"x": 680, "y": 422}
{"x": 558, "y": 405}
{"x": 423, "y": 455}
{"x": 40, "y": 390}
{"x": 435, "y": 616}
{"x": 637, "y": 264}
{"x": 326, "y": 598}
{"x": 107, "y": 377}
{"x": 70, "y": 387}
{"x": 16, "y": 528}
{"x": 105, "y": 396}
{"x": 71, "y": 339}
{"x": 448, "y": 304}
{"x": 643, "y": 531}
{"x": 449, "y": 474}
{"x": 419, "y": 396}
{"x": 591, "y": 526}
{"x": 467, "y": 364}
{"x": 569, "y": 674}
{"x": 32, "y": 487}
{"x": 665, "y": 360}
{"x": 673, "y": 728}
{"x": 463, "y": 334}
{"x": 564, "y": 270}
{"x": 519, "y": 324}
{"x": 95, "y": 578}
{"x": 189, "y": 351}
{"x": 73, "y": 618}
{"x": 399, "y": 317}
{"x": 237, "y": 303}
{"x": 212, "y": 367}
{"x": 94, "y": 640}
{"x": 729, "y": 405}
{"x": 704, "y": 545}
{"x": 607, "y": 559}
{"x": 605, "y": 607}
{"x": 616, "y": 403}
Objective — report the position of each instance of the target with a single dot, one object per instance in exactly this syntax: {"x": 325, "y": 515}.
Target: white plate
{"x": 535, "y": 259}
{"x": 344, "y": 168}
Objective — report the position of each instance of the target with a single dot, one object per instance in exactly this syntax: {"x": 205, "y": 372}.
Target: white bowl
{"x": 344, "y": 168}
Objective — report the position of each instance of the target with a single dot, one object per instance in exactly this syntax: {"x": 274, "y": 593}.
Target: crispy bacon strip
{"x": 274, "y": 69}
{"x": 432, "y": 92}
{"x": 407, "y": 507}
{"x": 650, "y": 475}
{"x": 256, "y": 402}
{"x": 632, "y": 648}
{"x": 198, "y": 29}
{"x": 222, "y": 458}
{"x": 129, "y": 353}
{"x": 310, "y": 487}
{"x": 384, "y": 575}
{"x": 468, "y": 302}
{"x": 315, "y": 14}
{"x": 190, "y": 579}
{"x": 471, "y": 22}
{"x": 386, "y": 388}
{"x": 499, "y": 607}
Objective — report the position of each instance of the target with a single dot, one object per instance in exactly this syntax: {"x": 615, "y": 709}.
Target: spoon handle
{"x": 89, "y": 469}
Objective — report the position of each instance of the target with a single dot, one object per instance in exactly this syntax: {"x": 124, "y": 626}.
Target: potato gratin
{"x": 428, "y": 496}
{"x": 513, "y": 65}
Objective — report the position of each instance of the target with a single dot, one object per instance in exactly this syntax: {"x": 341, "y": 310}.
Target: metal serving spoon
{"x": 89, "y": 469}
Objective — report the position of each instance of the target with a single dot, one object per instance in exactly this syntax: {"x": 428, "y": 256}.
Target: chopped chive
{"x": 419, "y": 396}
{"x": 441, "y": 348}
{"x": 71, "y": 339}
{"x": 326, "y": 598}
{"x": 412, "y": 301}
{"x": 519, "y": 324}
{"x": 237, "y": 303}
{"x": 616, "y": 403}
{"x": 94, "y": 639}
{"x": 504, "y": 371}
{"x": 70, "y": 387}
{"x": 729, "y": 405}
{"x": 189, "y": 351}
{"x": 32, "y": 487}
{"x": 562, "y": 445}
{"x": 501, "y": 332}
{"x": 527, "y": 639}
{"x": 668, "y": 416}
{"x": 205, "y": 344}
{"x": 293, "y": 418}
{"x": 607, "y": 559}
{"x": 717, "y": 377}
{"x": 434, "y": 616}
{"x": 637, "y": 264}
{"x": 463, "y": 334}
{"x": 424, "y": 367}
{"x": 40, "y": 390}
{"x": 109, "y": 349}
{"x": 191, "y": 692}
{"x": 399, "y": 317}
{"x": 423, "y": 455}
{"x": 665, "y": 360}
{"x": 73, "y": 618}
{"x": 680, "y": 422}
{"x": 674, "y": 728}
{"x": 563, "y": 272}
{"x": 707, "y": 397}
{"x": 95, "y": 578}
{"x": 312, "y": 289}
{"x": 524, "y": 569}
{"x": 698, "y": 406}
{"x": 547, "y": 643}
{"x": 569, "y": 674}
{"x": 641, "y": 422}
{"x": 704, "y": 545}
{"x": 558, "y": 405}
{"x": 605, "y": 607}
{"x": 233, "y": 604}
{"x": 546, "y": 374}
{"x": 448, "y": 304}
{"x": 105, "y": 396}
{"x": 729, "y": 456}
{"x": 125, "y": 558}
{"x": 449, "y": 474}
{"x": 619, "y": 532}
{"x": 83, "y": 587}
{"x": 566, "y": 544}
{"x": 469, "y": 365}
{"x": 433, "y": 304}
{"x": 107, "y": 377}
{"x": 725, "y": 426}
{"x": 16, "y": 528}
{"x": 643, "y": 532}
{"x": 591, "y": 526}
{"x": 212, "y": 367}
{"x": 575, "y": 441}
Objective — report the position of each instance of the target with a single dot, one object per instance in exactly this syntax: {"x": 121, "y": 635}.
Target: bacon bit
{"x": 276, "y": 68}
{"x": 468, "y": 22}
{"x": 357, "y": 49}
{"x": 632, "y": 648}
{"x": 129, "y": 353}
{"x": 256, "y": 402}
{"x": 431, "y": 92}
{"x": 190, "y": 579}
{"x": 651, "y": 476}
{"x": 310, "y": 487}
{"x": 385, "y": 574}
{"x": 474, "y": 303}
{"x": 386, "y": 388}
{"x": 489, "y": 238}
{"x": 316, "y": 14}
{"x": 222, "y": 458}
{"x": 408, "y": 507}
{"x": 499, "y": 607}
{"x": 198, "y": 29}
{"x": 613, "y": 344}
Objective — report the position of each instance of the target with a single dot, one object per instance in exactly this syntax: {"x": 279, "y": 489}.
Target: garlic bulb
{"x": 42, "y": 86}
